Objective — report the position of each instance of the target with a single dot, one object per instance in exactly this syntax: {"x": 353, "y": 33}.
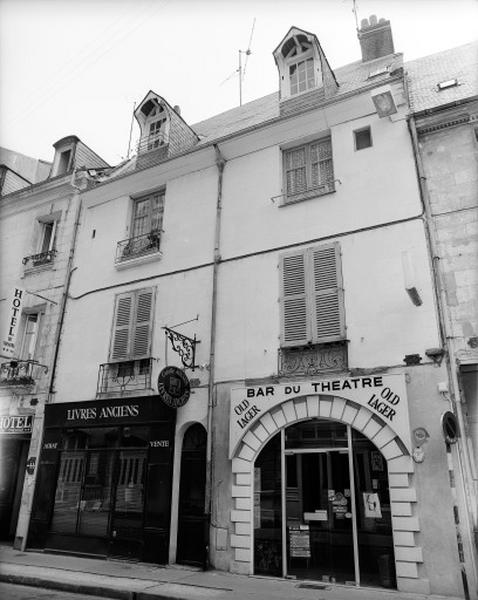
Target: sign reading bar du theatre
{"x": 384, "y": 395}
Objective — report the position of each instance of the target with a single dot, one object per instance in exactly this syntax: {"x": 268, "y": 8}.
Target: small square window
{"x": 363, "y": 138}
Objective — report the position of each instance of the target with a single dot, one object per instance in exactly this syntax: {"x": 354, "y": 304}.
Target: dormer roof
{"x": 163, "y": 132}
{"x": 302, "y": 65}
{"x": 71, "y": 153}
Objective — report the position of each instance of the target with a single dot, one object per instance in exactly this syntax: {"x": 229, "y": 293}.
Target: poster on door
{"x": 339, "y": 505}
{"x": 371, "y": 504}
{"x": 299, "y": 541}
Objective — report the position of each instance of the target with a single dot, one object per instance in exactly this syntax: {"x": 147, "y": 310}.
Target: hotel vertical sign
{"x": 10, "y": 328}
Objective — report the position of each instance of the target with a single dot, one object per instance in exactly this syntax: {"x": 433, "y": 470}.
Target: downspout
{"x": 66, "y": 289}
{"x": 56, "y": 341}
{"x": 220, "y": 164}
{"x": 446, "y": 334}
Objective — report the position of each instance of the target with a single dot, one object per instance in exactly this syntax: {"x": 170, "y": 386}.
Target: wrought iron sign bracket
{"x": 184, "y": 346}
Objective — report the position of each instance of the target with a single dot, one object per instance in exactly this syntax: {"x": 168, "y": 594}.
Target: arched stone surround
{"x": 405, "y": 523}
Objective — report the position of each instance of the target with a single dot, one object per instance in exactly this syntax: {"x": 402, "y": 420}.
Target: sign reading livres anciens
{"x": 383, "y": 395}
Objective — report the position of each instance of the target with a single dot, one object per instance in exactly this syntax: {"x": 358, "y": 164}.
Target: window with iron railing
{"x": 146, "y": 222}
{"x": 308, "y": 171}
{"x": 46, "y": 246}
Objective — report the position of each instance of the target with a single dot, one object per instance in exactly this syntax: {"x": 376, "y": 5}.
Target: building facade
{"x": 37, "y": 224}
{"x": 444, "y": 101}
{"x": 279, "y": 256}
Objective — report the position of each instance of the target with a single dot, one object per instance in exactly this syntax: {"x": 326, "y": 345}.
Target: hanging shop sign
{"x": 17, "y": 424}
{"x": 173, "y": 387}
{"x": 384, "y": 395}
{"x": 449, "y": 427}
{"x": 10, "y": 328}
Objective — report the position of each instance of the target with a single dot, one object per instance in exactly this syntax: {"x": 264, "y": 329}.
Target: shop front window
{"x": 331, "y": 508}
{"x": 267, "y": 510}
{"x": 97, "y": 476}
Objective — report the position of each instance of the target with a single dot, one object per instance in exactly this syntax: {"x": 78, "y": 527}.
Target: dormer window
{"x": 64, "y": 162}
{"x": 156, "y": 136}
{"x": 298, "y": 54}
{"x": 302, "y": 65}
{"x": 154, "y": 122}
{"x": 163, "y": 132}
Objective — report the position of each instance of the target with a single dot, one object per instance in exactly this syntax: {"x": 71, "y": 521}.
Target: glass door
{"x": 319, "y": 516}
{"x": 320, "y": 522}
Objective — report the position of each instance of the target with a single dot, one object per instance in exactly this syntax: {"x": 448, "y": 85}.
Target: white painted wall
{"x": 382, "y": 323}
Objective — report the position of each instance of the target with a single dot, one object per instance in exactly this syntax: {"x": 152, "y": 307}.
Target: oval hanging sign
{"x": 449, "y": 427}
{"x": 173, "y": 387}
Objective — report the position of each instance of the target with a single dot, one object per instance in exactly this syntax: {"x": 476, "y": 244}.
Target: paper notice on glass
{"x": 372, "y": 506}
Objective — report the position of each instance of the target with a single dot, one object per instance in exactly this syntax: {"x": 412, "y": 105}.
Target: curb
{"x": 81, "y": 588}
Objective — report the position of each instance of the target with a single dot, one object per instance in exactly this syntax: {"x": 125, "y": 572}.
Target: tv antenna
{"x": 354, "y": 10}
{"x": 241, "y": 70}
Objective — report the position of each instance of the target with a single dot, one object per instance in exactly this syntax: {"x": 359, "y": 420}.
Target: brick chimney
{"x": 375, "y": 38}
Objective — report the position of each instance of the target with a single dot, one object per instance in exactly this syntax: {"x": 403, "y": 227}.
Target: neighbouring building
{"x": 444, "y": 125}
{"x": 37, "y": 223}
{"x": 275, "y": 259}
{"x": 18, "y": 171}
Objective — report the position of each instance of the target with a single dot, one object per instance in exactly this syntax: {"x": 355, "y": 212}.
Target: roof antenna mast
{"x": 354, "y": 10}
{"x": 241, "y": 71}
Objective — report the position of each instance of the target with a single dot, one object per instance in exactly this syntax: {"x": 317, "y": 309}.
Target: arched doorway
{"x": 322, "y": 506}
{"x": 192, "y": 534}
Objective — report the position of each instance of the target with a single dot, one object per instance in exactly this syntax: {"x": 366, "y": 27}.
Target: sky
{"x": 77, "y": 67}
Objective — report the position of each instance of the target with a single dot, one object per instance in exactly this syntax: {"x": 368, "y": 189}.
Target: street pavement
{"x": 14, "y": 591}
{"x": 140, "y": 581}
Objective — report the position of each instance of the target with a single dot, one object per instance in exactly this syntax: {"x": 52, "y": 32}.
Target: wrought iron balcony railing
{"x": 140, "y": 245}
{"x": 21, "y": 372}
{"x": 126, "y": 376}
{"x": 36, "y": 260}
{"x": 152, "y": 143}
{"x": 306, "y": 193}
{"x": 313, "y": 360}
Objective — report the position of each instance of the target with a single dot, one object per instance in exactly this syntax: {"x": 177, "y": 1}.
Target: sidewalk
{"x": 140, "y": 581}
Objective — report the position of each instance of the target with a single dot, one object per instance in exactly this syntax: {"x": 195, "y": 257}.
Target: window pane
{"x": 96, "y": 496}
{"x": 67, "y": 496}
{"x": 157, "y": 207}
{"x": 268, "y": 510}
{"x": 296, "y": 181}
{"x": 29, "y": 337}
{"x": 47, "y": 242}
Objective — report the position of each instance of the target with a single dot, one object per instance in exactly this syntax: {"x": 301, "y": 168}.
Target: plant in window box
{"x": 127, "y": 250}
{"x": 153, "y": 239}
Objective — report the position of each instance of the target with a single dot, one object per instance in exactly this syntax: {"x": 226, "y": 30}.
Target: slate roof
{"x": 351, "y": 77}
{"x": 31, "y": 169}
{"x": 425, "y": 73}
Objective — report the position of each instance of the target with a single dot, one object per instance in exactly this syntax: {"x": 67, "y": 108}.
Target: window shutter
{"x": 328, "y": 323}
{"x": 294, "y": 328}
{"x": 142, "y": 324}
{"x": 122, "y": 325}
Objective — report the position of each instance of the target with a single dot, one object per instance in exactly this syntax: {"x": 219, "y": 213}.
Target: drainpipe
{"x": 56, "y": 341}
{"x": 446, "y": 333}
{"x": 66, "y": 287}
{"x": 220, "y": 164}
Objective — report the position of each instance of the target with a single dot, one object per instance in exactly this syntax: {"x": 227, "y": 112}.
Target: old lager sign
{"x": 383, "y": 395}
{"x": 173, "y": 387}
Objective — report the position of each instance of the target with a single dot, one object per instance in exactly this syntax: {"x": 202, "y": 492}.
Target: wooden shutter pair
{"x": 312, "y": 306}
{"x": 132, "y": 325}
